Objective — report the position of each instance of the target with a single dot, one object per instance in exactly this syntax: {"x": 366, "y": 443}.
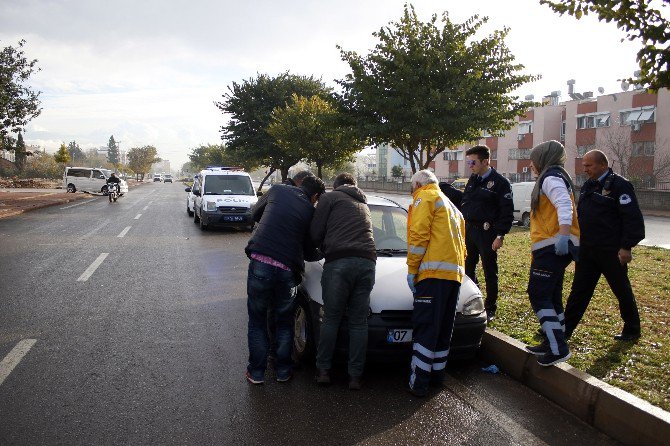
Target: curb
{"x": 622, "y": 416}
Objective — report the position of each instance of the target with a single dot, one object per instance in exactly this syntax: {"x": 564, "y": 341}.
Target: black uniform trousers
{"x": 478, "y": 243}
{"x": 545, "y": 291}
{"x": 432, "y": 325}
{"x": 594, "y": 262}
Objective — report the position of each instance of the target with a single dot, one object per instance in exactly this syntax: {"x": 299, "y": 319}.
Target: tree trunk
{"x": 319, "y": 166}
{"x": 284, "y": 173}
{"x": 270, "y": 172}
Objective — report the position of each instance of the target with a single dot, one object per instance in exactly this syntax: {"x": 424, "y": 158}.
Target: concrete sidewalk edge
{"x": 617, "y": 413}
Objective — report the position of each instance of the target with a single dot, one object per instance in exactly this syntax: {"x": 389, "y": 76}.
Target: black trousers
{"x": 594, "y": 262}
{"x": 433, "y": 324}
{"x": 478, "y": 243}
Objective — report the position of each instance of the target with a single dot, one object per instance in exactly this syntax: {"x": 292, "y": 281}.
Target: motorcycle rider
{"x": 113, "y": 179}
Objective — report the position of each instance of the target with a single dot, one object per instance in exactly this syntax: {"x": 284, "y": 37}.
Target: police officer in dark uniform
{"x": 611, "y": 224}
{"x": 488, "y": 211}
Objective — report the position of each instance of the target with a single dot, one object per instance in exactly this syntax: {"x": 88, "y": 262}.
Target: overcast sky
{"x": 149, "y": 72}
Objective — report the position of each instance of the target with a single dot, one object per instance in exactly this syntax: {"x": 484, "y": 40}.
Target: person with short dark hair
{"x": 488, "y": 210}
{"x": 277, "y": 250}
{"x": 342, "y": 228}
{"x": 611, "y": 224}
{"x": 298, "y": 177}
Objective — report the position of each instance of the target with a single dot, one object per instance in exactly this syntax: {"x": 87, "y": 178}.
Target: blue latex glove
{"x": 561, "y": 246}
{"x": 410, "y": 282}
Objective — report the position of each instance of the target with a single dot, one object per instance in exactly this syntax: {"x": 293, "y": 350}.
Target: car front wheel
{"x": 303, "y": 335}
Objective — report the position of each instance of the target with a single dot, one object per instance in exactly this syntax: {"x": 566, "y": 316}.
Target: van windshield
{"x": 228, "y": 185}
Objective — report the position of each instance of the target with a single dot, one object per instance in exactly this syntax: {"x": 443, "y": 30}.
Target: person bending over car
{"x": 435, "y": 265}
{"x": 276, "y": 250}
{"x": 342, "y": 228}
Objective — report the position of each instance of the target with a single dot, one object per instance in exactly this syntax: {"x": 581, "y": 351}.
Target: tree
{"x": 140, "y": 159}
{"x": 62, "y": 156}
{"x": 396, "y": 171}
{"x": 96, "y": 159}
{"x": 20, "y": 153}
{"x": 250, "y": 105}
{"x": 640, "y": 22}
{"x": 18, "y": 103}
{"x": 313, "y": 128}
{"x": 423, "y": 89}
{"x": 113, "y": 156}
{"x": 218, "y": 155}
{"x": 75, "y": 152}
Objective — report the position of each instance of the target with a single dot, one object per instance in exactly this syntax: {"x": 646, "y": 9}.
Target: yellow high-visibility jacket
{"x": 435, "y": 236}
{"x": 544, "y": 221}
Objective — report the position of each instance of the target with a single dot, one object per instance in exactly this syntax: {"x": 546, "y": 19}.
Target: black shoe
{"x": 419, "y": 393}
{"x": 550, "y": 359}
{"x": 539, "y": 349}
{"x": 355, "y": 383}
{"x": 624, "y": 336}
{"x": 323, "y": 377}
{"x": 490, "y": 315}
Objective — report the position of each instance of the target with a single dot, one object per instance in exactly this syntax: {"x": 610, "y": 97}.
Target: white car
{"x": 521, "y": 195}
{"x": 89, "y": 179}
{"x": 223, "y": 196}
{"x": 391, "y": 301}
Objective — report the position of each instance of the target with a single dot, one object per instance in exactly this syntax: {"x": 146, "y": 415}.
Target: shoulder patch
{"x": 417, "y": 202}
{"x": 625, "y": 199}
{"x": 490, "y": 184}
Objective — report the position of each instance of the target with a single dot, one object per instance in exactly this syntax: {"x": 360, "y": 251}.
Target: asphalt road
{"x": 150, "y": 348}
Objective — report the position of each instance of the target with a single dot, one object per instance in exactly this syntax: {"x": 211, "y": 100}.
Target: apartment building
{"x": 631, "y": 127}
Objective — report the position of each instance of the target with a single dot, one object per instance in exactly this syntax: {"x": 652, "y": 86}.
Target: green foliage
{"x": 20, "y": 153}
{"x": 76, "y": 154}
{"x": 62, "y": 156}
{"x": 95, "y": 159}
{"x": 217, "y": 155}
{"x": 396, "y": 171}
{"x": 641, "y": 22}
{"x": 314, "y": 129}
{"x": 425, "y": 88}
{"x": 250, "y": 105}
{"x": 42, "y": 165}
{"x": 113, "y": 155}
{"x": 18, "y": 103}
{"x": 140, "y": 159}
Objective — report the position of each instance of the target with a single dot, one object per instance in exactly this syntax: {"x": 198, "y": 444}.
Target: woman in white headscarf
{"x": 554, "y": 233}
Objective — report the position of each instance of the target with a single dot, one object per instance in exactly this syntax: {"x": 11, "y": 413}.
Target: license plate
{"x": 233, "y": 218}
{"x": 399, "y": 335}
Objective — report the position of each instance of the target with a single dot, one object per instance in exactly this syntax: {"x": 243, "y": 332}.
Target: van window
{"x": 79, "y": 173}
{"x": 228, "y": 185}
{"x": 96, "y": 174}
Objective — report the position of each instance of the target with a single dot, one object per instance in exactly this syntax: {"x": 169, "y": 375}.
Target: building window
{"x": 525, "y": 127}
{"x": 486, "y": 134}
{"x": 643, "y": 148}
{"x": 519, "y": 154}
{"x": 593, "y": 121}
{"x": 581, "y": 150}
{"x": 494, "y": 155}
{"x": 638, "y": 115}
{"x": 452, "y": 155}
{"x": 563, "y": 131}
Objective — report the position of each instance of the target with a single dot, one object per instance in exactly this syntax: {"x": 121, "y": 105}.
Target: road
{"x": 123, "y": 323}
{"x": 656, "y": 228}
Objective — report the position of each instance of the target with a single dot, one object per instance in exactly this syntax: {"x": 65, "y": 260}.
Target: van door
{"x": 97, "y": 180}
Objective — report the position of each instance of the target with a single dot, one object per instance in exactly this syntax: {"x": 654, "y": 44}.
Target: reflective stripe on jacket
{"x": 435, "y": 236}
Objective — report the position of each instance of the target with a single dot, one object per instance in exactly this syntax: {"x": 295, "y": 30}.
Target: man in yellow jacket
{"x": 436, "y": 266}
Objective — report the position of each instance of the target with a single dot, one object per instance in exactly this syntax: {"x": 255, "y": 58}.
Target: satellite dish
{"x": 601, "y": 90}
{"x": 625, "y": 85}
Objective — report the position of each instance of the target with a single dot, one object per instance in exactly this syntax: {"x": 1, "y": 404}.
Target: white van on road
{"x": 89, "y": 179}
{"x": 521, "y": 193}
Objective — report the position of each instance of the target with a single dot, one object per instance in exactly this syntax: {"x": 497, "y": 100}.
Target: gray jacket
{"x": 341, "y": 225}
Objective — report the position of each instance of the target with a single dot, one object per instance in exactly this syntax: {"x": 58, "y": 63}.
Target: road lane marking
{"x": 14, "y": 357}
{"x": 124, "y": 232}
{"x": 78, "y": 204}
{"x": 137, "y": 217}
{"x": 519, "y": 434}
{"x": 91, "y": 269}
{"x": 145, "y": 208}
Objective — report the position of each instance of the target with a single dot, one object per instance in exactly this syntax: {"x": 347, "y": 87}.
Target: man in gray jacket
{"x": 342, "y": 228}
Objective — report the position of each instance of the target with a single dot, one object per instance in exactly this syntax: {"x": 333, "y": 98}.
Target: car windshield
{"x": 389, "y": 227}
{"x": 228, "y": 185}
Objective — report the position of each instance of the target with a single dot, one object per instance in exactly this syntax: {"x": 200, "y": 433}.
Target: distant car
{"x": 521, "y": 194}
{"x": 391, "y": 301}
{"x": 157, "y": 179}
{"x": 459, "y": 183}
{"x": 167, "y": 179}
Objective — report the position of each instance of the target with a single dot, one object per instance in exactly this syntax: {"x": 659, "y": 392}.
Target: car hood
{"x": 390, "y": 291}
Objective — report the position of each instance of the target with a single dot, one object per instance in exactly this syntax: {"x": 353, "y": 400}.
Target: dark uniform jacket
{"x": 454, "y": 195}
{"x": 283, "y": 214}
{"x": 609, "y": 214}
{"x": 489, "y": 201}
{"x": 342, "y": 226}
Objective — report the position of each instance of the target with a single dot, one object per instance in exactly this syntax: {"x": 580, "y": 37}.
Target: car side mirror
{"x": 102, "y": 177}
{"x": 196, "y": 192}
{"x": 259, "y": 193}
{"x": 188, "y": 189}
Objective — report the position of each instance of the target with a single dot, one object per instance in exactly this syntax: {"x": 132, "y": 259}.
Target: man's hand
{"x": 410, "y": 282}
{"x": 561, "y": 246}
{"x": 497, "y": 244}
{"x": 625, "y": 256}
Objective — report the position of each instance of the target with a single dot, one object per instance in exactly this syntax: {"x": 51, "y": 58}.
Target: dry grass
{"x": 641, "y": 368}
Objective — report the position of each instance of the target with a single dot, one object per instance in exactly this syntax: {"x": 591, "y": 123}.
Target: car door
{"x": 197, "y": 196}
{"x": 96, "y": 182}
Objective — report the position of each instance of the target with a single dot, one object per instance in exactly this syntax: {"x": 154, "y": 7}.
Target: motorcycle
{"x": 112, "y": 191}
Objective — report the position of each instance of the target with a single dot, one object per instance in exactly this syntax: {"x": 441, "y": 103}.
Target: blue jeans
{"x": 346, "y": 285}
{"x": 268, "y": 284}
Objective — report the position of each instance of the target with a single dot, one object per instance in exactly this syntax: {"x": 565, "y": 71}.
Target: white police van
{"x": 223, "y": 196}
